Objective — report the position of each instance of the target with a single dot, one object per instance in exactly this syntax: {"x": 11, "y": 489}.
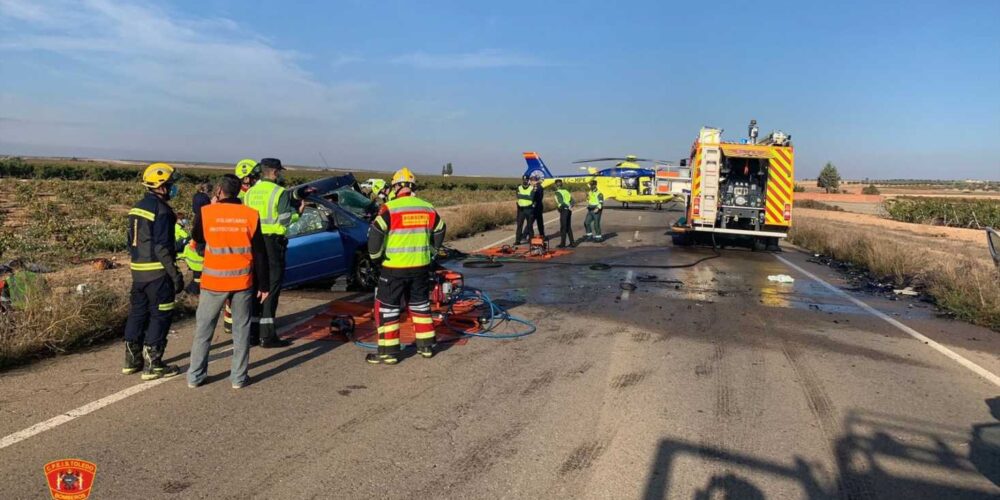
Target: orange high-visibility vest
{"x": 228, "y": 230}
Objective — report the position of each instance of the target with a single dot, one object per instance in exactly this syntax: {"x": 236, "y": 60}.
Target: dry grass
{"x": 960, "y": 278}
{"x": 57, "y": 321}
{"x": 452, "y": 197}
{"x": 470, "y": 219}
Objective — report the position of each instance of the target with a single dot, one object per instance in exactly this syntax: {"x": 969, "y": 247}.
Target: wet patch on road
{"x": 346, "y": 391}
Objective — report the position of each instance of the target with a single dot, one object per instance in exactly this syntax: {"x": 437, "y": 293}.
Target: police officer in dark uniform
{"x": 538, "y": 201}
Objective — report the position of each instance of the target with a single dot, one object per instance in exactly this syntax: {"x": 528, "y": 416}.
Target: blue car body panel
{"x": 326, "y": 247}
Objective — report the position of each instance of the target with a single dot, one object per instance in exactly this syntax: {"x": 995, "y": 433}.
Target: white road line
{"x": 982, "y": 372}
{"x": 636, "y": 236}
{"x": 626, "y": 293}
{"x": 546, "y": 223}
{"x": 93, "y": 406}
{"x": 81, "y": 411}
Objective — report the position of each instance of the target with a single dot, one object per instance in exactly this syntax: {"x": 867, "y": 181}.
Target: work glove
{"x": 178, "y": 279}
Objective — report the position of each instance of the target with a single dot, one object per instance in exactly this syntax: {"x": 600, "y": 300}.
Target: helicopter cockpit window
{"x": 630, "y": 182}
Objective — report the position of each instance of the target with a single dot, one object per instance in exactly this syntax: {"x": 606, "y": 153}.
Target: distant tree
{"x": 829, "y": 178}
{"x": 450, "y": 169}
{"x": 870, "y": 189}
{"x": 446, "y": 170}
{"x": 799, "y": 188}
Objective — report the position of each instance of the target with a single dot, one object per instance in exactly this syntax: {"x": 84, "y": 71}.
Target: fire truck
{"x": 742, "y": 190}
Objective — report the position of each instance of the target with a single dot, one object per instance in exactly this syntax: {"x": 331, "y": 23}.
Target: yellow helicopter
{"x": 627, "y": 182}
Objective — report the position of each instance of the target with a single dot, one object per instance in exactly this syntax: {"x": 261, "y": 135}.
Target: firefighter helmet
{"x": 247, "y": 167}
{"x": 157, "y": 175}
{"x": 403, "y": 176}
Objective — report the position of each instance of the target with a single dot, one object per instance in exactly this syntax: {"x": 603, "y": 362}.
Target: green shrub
{"x": 817, "y": 205}
{"x": 956, "y": 212}
{"x": 870, "y": 189}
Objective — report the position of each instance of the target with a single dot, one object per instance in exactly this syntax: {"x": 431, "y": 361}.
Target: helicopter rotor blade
{"x": 599, "y": 159}
{"x": 622, "y": 159}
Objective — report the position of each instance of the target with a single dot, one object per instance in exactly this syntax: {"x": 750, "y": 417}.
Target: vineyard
{"x": 954, "y": 212}
{"x": 77, "y": 170}
{"x": 59, "y": 214}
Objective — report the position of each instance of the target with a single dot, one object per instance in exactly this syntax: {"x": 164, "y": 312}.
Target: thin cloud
{"x": 167, "y": 61}
{"x": 488, "y": 58}
{"x": 345, "y": 59}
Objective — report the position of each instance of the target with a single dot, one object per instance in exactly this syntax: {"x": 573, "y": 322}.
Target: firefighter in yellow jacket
{"x": 404, "y": 237}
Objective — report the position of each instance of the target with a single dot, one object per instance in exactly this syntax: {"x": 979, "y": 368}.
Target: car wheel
{"x": 364, "y": 275}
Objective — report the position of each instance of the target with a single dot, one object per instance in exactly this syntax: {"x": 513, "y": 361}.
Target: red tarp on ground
{"x": 521, "y": 252}
{"x": 464, "y": 315}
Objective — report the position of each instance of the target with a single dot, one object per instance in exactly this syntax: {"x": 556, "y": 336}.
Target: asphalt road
{"x": 701, "y": 382}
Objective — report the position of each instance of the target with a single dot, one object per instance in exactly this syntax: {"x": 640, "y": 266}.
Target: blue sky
{"x": 882, "y": 89}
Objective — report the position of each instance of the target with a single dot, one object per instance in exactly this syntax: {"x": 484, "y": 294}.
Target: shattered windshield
{"x": 354, "y": 202}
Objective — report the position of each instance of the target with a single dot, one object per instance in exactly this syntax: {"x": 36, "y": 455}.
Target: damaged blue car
{"x": 330, "y": 238}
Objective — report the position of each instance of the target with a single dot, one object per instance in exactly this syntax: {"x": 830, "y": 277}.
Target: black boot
{"x": 272, "y": 342}
{"x": 133, "y": 357}
{"x": 426, "y": 351}
{"x": 155, "y": 368}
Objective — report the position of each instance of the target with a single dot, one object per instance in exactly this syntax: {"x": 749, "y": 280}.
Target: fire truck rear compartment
{"x": 742, "y": 193}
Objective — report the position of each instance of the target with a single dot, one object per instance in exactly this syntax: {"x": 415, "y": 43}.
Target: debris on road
{"x": 102, "y": 264}
{"x": 906, "y": 291}
{"x": 781, "y": 278}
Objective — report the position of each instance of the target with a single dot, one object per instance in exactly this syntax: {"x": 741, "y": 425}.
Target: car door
{"x": 315, "y": 248}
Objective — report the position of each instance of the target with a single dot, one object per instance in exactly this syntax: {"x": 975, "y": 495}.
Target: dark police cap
{"x": 272, "y": 163}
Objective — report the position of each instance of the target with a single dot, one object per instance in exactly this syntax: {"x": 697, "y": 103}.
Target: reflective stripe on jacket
{"x": 150, "y": 225}
{"x": 408, "y": 235}
{"x": 524, "y": 196}
{"x": 228, "y": 229}
{"x": 263, "y": 197}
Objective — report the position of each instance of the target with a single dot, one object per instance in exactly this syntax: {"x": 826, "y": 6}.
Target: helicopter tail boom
{"x": 536, "y": 167}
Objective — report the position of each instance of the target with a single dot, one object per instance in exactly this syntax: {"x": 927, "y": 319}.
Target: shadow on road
{"x": 289, "y": 358}
{"x": 984, "y": 450}
{"x": 877, "y": 456}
